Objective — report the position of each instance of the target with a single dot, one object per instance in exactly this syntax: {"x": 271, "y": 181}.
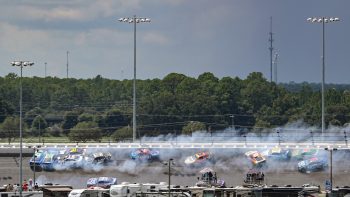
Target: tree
{"x": 55, "y": 130}
{"x": 31, "y": 114}
{"x": 171, "y": 81}
{"x": 70, "y": 119}
{"x": 10, "y": 128}
{"x": 193, "y": 126}
{"x": 6, "y": 109}
{"x": 122, "y": 134}
{"x": 337, "y": 115}
{"x": 85, "y": 131}
{"x": 39, "y": 125}
{"x": 114, "y": 118}
{"x": 85, "y": 117}
{"x": 257, "y": 92}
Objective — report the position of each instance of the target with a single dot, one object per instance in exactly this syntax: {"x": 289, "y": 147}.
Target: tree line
{"x": 89, "y": 109}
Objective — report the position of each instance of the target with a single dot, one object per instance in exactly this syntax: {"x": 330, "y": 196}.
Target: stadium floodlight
{"x": 134, "y": 20}
{"x": 21, "y": 64}
{"x": 323, "y": 20}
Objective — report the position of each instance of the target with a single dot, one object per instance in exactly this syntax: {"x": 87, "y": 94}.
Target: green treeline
{"x": 89, "y": 109}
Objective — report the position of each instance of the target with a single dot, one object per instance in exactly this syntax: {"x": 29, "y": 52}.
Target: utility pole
{"x": 271, "y": 48}
{"x": 67, "y": 63}
{"x": 275, "y": 67}
{"x": 45, "y": 69}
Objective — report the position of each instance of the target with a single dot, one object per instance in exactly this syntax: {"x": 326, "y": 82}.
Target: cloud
{"x": 76, "y": 10}
{"x": 155, "y": 38}
{"x": 16, "y": 39}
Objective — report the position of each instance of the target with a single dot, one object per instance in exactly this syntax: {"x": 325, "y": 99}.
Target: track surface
{"x": 230, "y": 166}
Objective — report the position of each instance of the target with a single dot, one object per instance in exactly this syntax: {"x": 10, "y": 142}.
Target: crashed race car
{"x": 37, "y": 159}
{"x": 103, "y": 182}
{"x": 144, "y": 154}
{"x": 199, "y": 159}
{"x": 277, "y": 153}
{"x": 42, "y": 159}
{"x": 302, "y": 154}
{"x": 312, "y": 165}
{"x": 75, "y": 151}
{"x": 49, "y": 160}
{"x": 256, "y": 158}
{"x": 74, "y": 161}
{"x": 53, "y": 159}
{"x": 99, "y": 158}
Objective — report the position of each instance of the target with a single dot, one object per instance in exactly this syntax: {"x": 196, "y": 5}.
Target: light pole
{"x": 34, "y": 156}
{"x": 279, "y": 138}
{"x": 232, "y": 122}
{"x": 21, "y": 64}
{"x": 346, "y": 139}
{"x": 134, "y": 20}
{"x": 39, "y": 128}
{"x": 323, "y": 20}
{"x": 331, "y": 165}
{"x": 169, "y": 174}
{"x": 45, "y": 69}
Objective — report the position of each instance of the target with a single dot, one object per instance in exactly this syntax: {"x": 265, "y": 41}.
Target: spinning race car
{"x": 144, "y": 154}
{"x": 256, "y": 158}
{"x": 66, "y": 159}
{"x": 302, "y": 154}
{"x": 277, "y": 153}
{"x": 37, "y": 159}
{"x": 199, "y": 158}
{"x": 312, "y": 165}
{"x": 99, "y": 158}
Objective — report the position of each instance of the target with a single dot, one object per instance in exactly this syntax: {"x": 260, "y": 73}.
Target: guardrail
{"x": 183, "y": 145}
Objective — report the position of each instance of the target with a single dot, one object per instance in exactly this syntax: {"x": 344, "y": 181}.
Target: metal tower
{"x": 271, "y": 48}
{"x": 275, "y": 67}
{"x": 67, "y": 63}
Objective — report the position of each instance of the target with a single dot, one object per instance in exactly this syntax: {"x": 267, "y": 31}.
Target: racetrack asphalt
{"x": 230, "y": 166}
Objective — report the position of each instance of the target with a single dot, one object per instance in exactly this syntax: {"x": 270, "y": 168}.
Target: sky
{"x": 224, "y": 37}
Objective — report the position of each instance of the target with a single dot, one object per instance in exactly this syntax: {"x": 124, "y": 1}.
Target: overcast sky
{"x": 225, "y": 37}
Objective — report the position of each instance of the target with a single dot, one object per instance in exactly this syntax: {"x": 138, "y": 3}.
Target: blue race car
{"x": 312, "y": 165}
{"x": 37, "y": 159}
{"x": 104, "y": 182}
{"x": 49, "y": 161}
{"x": 144, "y": 154}
{"x": 277, "y": 153}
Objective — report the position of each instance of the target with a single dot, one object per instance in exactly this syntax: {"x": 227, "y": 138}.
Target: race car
{"x": 256, "y": 158}
{"x": 73, "y": 158}
{"x": 277, "y": 153}
{"x": 73, "y": 161}
{"x": 302, "y": 154}
{"x": 199, "y": 158}
{"x": 312, "y": 164}
{"x": 75, "y": 151}
{"x": 37, "y": 159}
{"x": 48, "y": 163}
{"x": 144, "y": 154}
{"x": 104, "y": 182}
{"x": 99, "y": 158}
